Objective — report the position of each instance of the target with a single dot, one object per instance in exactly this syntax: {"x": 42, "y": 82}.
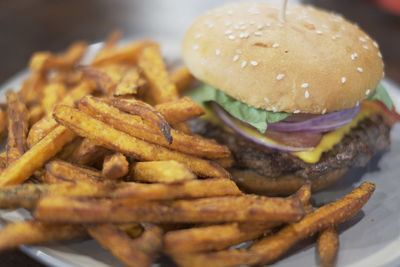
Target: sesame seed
{"x": 324, "y": 111}
{"x": 252, "y": 22}
{"x": 368, "y": 92}
{"x": 354, "y": 56}
{"x": 280, "y": 76}
{"x": 244, "y": 63}
{"x": 365, "y": 47}
{"x": 195, "y": 47}
{"x": 260, "y": 26}
{"x": 296, "y": 111}
{"x": 306, "y": 94}
{"x": 274, "y": 109}
{"x": 379, "y": 54}
{"x": 230, "y": 12}
{"x": 227, "y": 23}
{"x": 275, "y": 45}
{"x": 360, "y": 69}
{"x": 236, "y": 27}
{"x": 343, "y": 27}
{"x": 197, "y": 36}
{"x": 235, "y": 58}
{"x": 375, "y": 44}
{"x": 258, "y": 33}
{"x": 217, "y": 52}
{"x": 304, "y": 85}
{"x": 231, "y": 37}
{"x": 241, "y": 22}
{"x": 242, "y": 27}
{"x": 239, "y": 51}
{"x": 269, "y": 24}
{"x": 362, "y": 39}
{"x": 343, "y": 79}
{"x": 266, "y": 99}
{"x": 228, "y": 32}
{"x": 254, "y": 63}
{"x": 324, "y": 26}
{"x": 244, "y": 35}
{"x": 318, "y": 32}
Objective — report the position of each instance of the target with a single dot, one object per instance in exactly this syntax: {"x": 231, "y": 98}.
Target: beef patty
{"x": 355, "y": 150}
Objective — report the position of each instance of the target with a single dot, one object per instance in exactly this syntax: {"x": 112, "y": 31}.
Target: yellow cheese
{"x": 310, "y": 156}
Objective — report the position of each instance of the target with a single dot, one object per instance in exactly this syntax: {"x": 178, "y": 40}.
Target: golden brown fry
{"x": 106, "y": 77}
{"x": 40, "y": 129}
{"x": 135, "y": 126}
{"x": 214, "y": 237}
{"x": 182, "y": 78}
{"x": 35, "y": 113}
{"x": 44, "y": 61}
{"x": 216, "y": 209}
{"x": 225, "y": 162}
{"x": 189, "y": 189}
{"x": 34, "y": 158}
{"x": 111, "y": 138}
{"x": 328, "y": 245}
{"x": 142, "y": 109}
{"x": 3, "y": 160}
{"x": 127, "y": 54}
{"x": 272, "y": 247}
{"x": 53, "y": 93}
{"x": 32, "y": 87}
{"x": 161, "y": 89}
{"x": 130, "y": 83}
{"x": 139, "y": 252}
{"x": 18, "y": 127}
{"x": 27, "y": 195}
{"x": 161, "y": 172}
{"x": 88, "y": 153}
{"x": 179, "y": 110}
{"x": 67, "y": 172}
{"x": 304, "y": 194}
{"x": 3, "y": 123}
{"x": 115, "y": 166}
{"x": 112, "y": 40}
{"x": 226, "y": 258}
{"x": 182, "y": 127}
{"x": 33, "y": 232}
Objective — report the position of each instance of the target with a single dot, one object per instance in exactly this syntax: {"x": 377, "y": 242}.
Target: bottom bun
{"x": 252, "y": 182}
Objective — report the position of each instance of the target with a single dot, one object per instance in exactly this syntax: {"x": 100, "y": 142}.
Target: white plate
{"x": 371, "y": 238}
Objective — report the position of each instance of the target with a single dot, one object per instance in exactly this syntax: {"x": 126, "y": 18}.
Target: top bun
{"x": 314, "y": 62}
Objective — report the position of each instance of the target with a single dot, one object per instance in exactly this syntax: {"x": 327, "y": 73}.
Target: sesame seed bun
{"x": 314, "y": 62}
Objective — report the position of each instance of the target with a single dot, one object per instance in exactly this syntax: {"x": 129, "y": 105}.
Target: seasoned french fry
{"x": 106, "y": 77}
{"x": 182, "y": 78}
{"x": 3, "y": 160}
{"x": 18, "y": 127}
{"x": 111, "y": 138}
{"x": 272, "y": 247}
{"x": 179, "y": 110}
{"x": 189, "y": 189}
{"x": 217, "y": 209}
{"x": 161, "y": 172}
{"x": 161, "y": 88}
{"x": 44, "y": 61}
{"x": 130, "y": 83}
{"x": 328, "y": 245}
{"x": 35, "y": 113}
{"x": 32, "y": 88}
{"x": 145, "y": 111}
{"x": 45, "y": 125}
{"x": 27, "y": 195}
{"x": 226, "y": 258}
{"x": 53, "y": 93}
{"x": 135, "y": 126}
{"x": 3, "y": 123}
{"x": 33, "y": 232}
{"x": 68, "y": 172}
{"x": 214, "y": 237}
{"x": 34, "y": 158}
{"x": 225, "y": 162}
{"x": 112, "y": 40}
{"x": 127, "y": 54}
{"x": 139, "y": 252}
{"x": 115, "y": 166}
{"x": 88, "y": 153}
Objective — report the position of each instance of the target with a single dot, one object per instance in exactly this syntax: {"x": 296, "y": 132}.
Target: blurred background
{"x": 31, "y": 25}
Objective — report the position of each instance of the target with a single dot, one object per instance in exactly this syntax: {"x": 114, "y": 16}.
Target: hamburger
{"x": 295, "y": 99}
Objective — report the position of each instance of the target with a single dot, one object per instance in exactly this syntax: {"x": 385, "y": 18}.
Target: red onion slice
{"x": 257, "y": 138}
{"x": 321, "y": 123}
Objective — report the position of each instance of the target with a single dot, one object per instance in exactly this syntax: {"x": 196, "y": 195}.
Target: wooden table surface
{"x": 27, "y": 26}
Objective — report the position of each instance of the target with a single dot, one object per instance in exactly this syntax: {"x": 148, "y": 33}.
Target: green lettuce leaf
{"x": 257, "y": 118}
{"x": 382, "y": 95}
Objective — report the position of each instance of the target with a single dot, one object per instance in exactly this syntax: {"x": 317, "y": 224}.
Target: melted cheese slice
{"x": 310, "y": 156}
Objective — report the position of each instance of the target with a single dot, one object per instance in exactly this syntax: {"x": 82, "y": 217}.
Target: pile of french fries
{"x": 104, "y": 150}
